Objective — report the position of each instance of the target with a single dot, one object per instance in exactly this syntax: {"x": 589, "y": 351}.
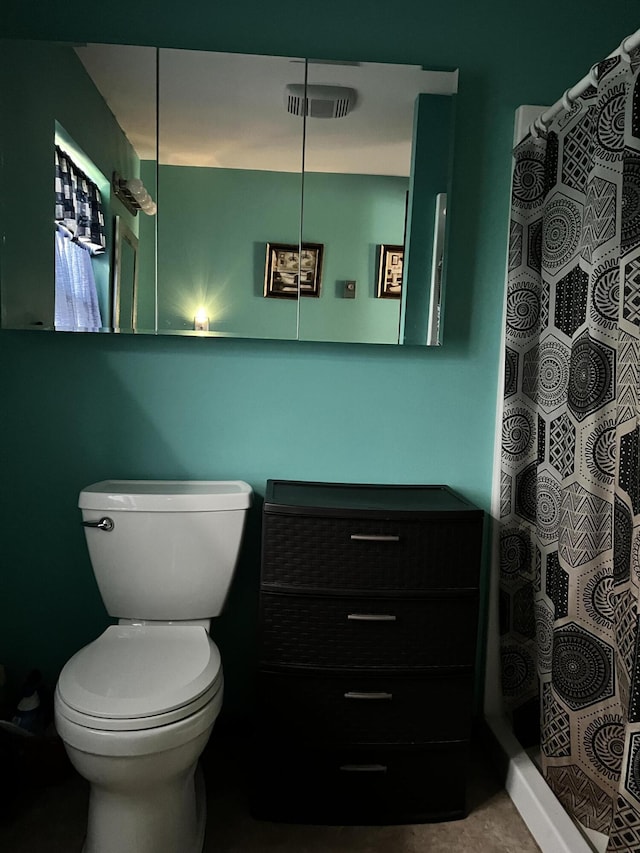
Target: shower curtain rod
{"x": 564, "y": 103}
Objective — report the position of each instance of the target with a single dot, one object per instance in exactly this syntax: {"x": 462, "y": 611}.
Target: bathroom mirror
{"x": 365, "y": 196}
{"x": 229, "y": 182}
{"x": 62, "y": 141}
{"x": 244, "y": 153}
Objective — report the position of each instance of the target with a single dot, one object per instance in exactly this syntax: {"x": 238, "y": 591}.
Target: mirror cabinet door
{"x": 296, "y": 199}
{"x": 357, "y": 162}
{"x": 67, "y": 128}
{"x": 229, "y": 194}
{"x": 363, "y": 172}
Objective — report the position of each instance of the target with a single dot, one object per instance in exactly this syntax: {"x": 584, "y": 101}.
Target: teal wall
{"x": 214, "y": 224}
{"x": 352, "y": 215}
{"x": 212, "y": 228}
{"x": 43, "y": 85}
{"x": 78, "y": 408}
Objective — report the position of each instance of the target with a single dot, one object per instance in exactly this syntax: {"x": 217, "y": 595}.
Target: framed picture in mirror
{"x": 390, "y": 272}
{"x": 289, "y": 271}
{"x": 124, "y": 278}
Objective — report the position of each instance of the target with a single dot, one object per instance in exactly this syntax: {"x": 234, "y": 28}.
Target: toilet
{"x": 135, "y": 707}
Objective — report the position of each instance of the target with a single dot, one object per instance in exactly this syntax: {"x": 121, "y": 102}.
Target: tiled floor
{"x": 51, "y": 820}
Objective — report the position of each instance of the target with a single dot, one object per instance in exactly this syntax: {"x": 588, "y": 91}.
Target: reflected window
{"x": 80, "y": 235}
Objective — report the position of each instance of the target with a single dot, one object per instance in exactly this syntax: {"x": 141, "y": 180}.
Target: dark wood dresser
{"x": 368, "y": 623}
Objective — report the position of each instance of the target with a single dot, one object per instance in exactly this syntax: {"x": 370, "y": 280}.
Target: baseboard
{"x": 544, "y": 815}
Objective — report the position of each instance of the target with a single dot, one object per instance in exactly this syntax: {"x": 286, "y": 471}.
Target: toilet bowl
{"x": 135, "y": 708}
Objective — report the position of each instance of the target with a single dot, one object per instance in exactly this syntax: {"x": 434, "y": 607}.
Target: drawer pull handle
{"x": 373, "y": 537}
{"x": 356, "y": 694}
{"x": 371, "y": 617}
{"x": 364, "y": 768}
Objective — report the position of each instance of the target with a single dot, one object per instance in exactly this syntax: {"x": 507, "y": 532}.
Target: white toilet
{"x": 135, "y": 707}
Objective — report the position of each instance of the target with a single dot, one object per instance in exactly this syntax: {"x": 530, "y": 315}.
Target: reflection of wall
{"x": 42, "y": 84}
{"x": 352, "y": 215}
{"x": 213, "y": 225}
{"x": 212, "y": 228}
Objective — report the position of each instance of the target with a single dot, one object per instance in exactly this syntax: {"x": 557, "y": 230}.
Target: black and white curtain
{"x": 79, "y": 234}
{"x": 570, "y": 489}
{"x": 78, "y": 204}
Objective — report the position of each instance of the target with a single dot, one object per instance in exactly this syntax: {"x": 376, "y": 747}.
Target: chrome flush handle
{"x": 104, "y": 523}
{"x": 371, "y": 617}
{"x": 363, "y": 768}
{"x": 358, "y": 694}
{"x": 373, "y": 537}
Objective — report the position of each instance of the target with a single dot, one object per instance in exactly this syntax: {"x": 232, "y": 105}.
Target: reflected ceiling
{"x": 228, "y": 110}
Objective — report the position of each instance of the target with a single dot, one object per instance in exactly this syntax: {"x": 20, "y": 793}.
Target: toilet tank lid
{"x": 166, "y": 495}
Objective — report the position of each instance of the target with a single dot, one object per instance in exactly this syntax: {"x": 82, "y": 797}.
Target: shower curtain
{"x": 570, "y": 489}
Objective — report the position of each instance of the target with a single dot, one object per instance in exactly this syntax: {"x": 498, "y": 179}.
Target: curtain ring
{"x": 567, "y": 102}
{"x": 593, "y": 75}
{"x": 539, "y": 126}
{"x": 533, "y": 130}
{"x": 624, "y": 53}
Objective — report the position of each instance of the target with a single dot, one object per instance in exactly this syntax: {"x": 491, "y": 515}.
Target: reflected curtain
{"x": 79, "y": 234}
{"x": 78, "y": 204}
{"x": 76, "y": 299}
{"x": 570, "y": 490}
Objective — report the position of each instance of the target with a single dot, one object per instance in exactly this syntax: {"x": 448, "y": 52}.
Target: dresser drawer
{"x": 367, "y": 786}
{"x": 352, "y": 709}
{"x": 368, "y": 554}
{"x": 375, "y": 633}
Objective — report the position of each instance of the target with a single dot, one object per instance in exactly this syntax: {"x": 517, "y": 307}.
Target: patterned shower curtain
{"x": 570, "y": 489}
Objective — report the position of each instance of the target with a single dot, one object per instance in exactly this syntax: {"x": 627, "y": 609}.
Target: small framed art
{"x": 289, "y": 270}
{"x": 390, "y": 272}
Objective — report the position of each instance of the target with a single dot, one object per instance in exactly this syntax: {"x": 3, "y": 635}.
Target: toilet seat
{"x": 136, "y": 677}
{"x": 89, "y": 738}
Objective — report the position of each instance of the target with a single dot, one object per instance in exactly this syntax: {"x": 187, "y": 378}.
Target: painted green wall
{"x": 77, "y": 408}
{"x": 352, "y": 215}
{"x": 212, "y": 228}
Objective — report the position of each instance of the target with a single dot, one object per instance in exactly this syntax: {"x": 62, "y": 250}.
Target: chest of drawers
{"x": 368, "y": 622}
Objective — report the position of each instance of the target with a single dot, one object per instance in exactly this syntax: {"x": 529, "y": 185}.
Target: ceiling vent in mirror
{"x": 322, "y": 101}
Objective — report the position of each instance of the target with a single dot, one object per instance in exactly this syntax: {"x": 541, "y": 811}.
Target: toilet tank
{"x": 173, "y": 546}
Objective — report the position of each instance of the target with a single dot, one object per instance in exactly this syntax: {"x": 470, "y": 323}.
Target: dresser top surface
{"x": 345, "y": 498}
